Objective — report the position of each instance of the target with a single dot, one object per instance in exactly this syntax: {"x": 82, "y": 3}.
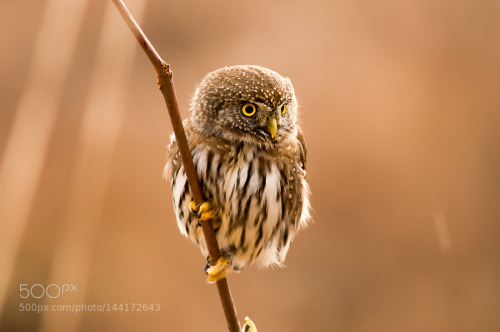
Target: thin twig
{"x": 166, "y": 84}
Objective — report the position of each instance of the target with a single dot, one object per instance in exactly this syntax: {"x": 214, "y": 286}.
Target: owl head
{"x": 245, "y": 103}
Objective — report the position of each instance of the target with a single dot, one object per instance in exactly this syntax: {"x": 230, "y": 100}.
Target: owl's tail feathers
{"x": 249, "y": 326}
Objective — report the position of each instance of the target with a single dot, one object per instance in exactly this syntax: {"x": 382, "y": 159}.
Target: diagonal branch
{"x": 166, "y": 84}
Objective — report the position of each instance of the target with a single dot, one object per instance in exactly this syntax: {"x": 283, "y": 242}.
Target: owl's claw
{"x": 193, "y": 208}
{"x": 205, "y": 211}
{"x": 249, "y": 326}
{"x": 219, "y": 271}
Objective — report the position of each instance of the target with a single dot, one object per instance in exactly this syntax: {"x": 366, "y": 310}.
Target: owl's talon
{"x": 207, "y": 266}
{"x": 249, "y": 326}
{"x": 204, "y": 207}
{"x": 205, "y": 212}
{"x": 206, "y": 215}
{"x": 192, "y": 208}
{"x": 219, "y": 271}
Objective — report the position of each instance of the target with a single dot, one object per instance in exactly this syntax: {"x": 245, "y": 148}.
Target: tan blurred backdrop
{"x": 401, "y": 112}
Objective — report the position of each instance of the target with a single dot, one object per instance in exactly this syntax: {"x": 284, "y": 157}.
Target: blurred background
{"x": 401, "y": 112}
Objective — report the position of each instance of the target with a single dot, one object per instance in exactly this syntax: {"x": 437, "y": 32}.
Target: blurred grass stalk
{"x": 101, "y": 124}
{"x": 33, "y": 126}
{"x": 442, "y": 231}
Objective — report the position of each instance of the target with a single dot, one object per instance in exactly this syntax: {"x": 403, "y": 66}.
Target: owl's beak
{"x": 272, "y": 126}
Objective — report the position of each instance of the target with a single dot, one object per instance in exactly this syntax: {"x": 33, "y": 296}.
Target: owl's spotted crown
{"x": 243, "y": 82}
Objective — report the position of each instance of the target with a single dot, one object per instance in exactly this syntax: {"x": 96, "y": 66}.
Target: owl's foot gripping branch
{"x": 205, "y": 212}
{"x": 218, "y": 271}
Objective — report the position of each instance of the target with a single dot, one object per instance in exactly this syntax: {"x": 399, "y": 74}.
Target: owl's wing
{"x": 173, "y": 157}
{"x": 171, "y": 166}
{"x": 302, "y": 149}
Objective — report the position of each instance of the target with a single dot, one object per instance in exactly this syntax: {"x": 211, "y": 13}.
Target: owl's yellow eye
{"x": 248, "y": 109}
{"x": 283, "y": 110}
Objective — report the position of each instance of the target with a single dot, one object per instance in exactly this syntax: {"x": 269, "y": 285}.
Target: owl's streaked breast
{"x": 260, "y": 198}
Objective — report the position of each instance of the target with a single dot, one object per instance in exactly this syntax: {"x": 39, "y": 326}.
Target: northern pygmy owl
{"x": 250, "y": 155}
